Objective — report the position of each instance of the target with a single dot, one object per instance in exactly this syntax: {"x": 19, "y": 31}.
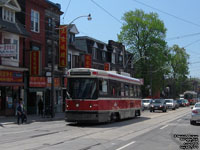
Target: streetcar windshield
{"x": 82, "y": 88}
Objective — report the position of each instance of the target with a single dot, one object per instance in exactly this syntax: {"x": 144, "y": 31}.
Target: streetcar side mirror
{"x": 68, "y": 95}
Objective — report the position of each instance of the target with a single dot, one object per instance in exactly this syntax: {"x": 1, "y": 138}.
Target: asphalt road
{"x": 150, "y": 131}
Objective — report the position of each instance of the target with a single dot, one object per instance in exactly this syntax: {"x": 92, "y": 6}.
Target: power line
{"x": 183, "y": 36}
{"x": 106, "y": 11}
{"x": 66, "y": 10}
{"x": 184, "y": 20}
{"x": 192, "y": 43}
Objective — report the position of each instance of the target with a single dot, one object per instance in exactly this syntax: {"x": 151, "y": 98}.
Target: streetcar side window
{"x": 126, "y": 87}
{"x": 103, "y": 87}
{"x": 131, "y": 91}
{"x": 122, "y": 89}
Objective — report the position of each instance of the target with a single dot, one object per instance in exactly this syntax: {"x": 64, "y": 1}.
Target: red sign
{"x": 107, "y": 66}
{"x": 88, "y": 61}
{"x": 37, "y": 82}
{"x": 35, "y": 62}
{"x": 11, "y": 76}
{"x": 63, "y": 46}
{"x": 56, "y": 83}
{"x": 65, "y": 82}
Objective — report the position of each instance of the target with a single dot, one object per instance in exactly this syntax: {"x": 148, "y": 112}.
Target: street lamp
{"x": 53, "y": 59}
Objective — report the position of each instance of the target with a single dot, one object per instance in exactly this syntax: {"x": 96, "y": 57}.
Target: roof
{"x": 90, "y": 38}
{"x": 106, "y": 74}
{"x": 2, "y": 2}
{"x": 11, "y": 4}
{"x": 16, "y": 28}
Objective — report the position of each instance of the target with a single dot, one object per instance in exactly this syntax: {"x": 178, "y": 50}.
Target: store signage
{"x": 63, "y": 46}
{"x": 11, "y": 76}
{"x": 37, "y": 82}
{"x": 56, "y": 82}
{"x": 88, "y": 61}
{"x": 107, "y": 66}
{"x": 8, "y": 50}
{"x": 35, "y": 62}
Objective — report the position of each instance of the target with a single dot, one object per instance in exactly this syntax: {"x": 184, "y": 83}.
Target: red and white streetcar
{"x": 101, "y": 96}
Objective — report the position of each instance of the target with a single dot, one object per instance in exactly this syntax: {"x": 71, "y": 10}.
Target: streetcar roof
{"x": 89, "y": 72}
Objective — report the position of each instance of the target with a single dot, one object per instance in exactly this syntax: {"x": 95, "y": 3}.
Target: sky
{"x": 181, "y": 19}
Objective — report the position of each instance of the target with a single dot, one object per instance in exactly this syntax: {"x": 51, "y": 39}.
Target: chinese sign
{"x": 88, "y": 61}
{"x": 35, "y": 62}
{"x": 11, "y": 76}
{"x": 63, "y": 46}
{"x": 56, "y": 83}
{"x": 8, "y": 50}
{"x": 106, "y": 66}
{"x": 37, "y": 82}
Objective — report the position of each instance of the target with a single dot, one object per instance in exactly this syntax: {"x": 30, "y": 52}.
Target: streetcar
{"x": 101, "y": 96}
{"x": 191, "y": 96}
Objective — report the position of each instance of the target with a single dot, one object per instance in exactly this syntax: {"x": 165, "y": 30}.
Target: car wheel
{"x": 192, "y": 122}
{"x": 150, "y": 110}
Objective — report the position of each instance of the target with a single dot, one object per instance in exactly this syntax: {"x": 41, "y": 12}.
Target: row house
{"x": 12, "y": 70}
{"x": 111, "y": 56}
{"x": 97, "y": 50}
{"x": 41, "y": 18}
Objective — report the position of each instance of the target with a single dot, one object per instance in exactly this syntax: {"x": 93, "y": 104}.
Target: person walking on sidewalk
{"x": 40, "y": 106}
{"x": 20, "y": 112}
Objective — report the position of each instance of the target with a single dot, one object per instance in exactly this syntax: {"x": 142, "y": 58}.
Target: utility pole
{"x": 52, "y": 69}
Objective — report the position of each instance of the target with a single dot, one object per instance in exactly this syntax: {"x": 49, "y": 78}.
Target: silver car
{"x": 195, "y": 116}
{"x": 146, "y": 103}
{"x": 170, "y": 104}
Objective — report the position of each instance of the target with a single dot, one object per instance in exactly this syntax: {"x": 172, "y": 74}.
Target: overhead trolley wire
{"x": 106, "y": 11}
{"x": 184, "y": 20}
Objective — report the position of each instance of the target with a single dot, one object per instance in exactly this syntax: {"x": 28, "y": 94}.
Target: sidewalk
{"x": 31, "y": 118}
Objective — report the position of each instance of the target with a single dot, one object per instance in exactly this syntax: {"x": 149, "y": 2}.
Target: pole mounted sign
{"x": 63, "y": 46}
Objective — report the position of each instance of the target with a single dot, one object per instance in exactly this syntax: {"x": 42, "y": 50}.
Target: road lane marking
{"x": 125, "y": 145}
{"x": 164, "y": 127}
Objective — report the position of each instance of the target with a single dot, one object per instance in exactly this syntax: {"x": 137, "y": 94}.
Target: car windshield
{"x": 157, "y": 101}
{"x": 168, "y": 101}
{"x": 82, "y": 88}
{"x": 197, "y": 105}
{"x": 146, "y": 101}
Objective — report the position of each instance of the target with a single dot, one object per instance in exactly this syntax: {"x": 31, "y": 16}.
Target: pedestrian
{"x": 20, "y": 112}
{"x": 40, "y": 106}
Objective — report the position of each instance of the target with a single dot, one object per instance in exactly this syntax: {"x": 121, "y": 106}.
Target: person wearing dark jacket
{"x": 40, "y": 106}
{"x": 20, "y": 112}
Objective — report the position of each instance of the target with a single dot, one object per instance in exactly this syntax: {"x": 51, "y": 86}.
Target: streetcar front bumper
{"x": 86, "y": 116}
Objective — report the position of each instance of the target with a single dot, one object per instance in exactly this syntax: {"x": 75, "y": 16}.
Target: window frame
{"x": 34, "y": 20}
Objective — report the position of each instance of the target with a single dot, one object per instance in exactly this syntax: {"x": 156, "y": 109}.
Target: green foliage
{"x": 144, "y": 36}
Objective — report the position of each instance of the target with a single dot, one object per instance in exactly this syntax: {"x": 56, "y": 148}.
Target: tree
{"x": 179, "y": 69}
{"x": 144, "y": 36}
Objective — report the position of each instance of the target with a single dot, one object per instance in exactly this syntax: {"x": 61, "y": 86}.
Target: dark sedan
{"x": 158, "y": 104}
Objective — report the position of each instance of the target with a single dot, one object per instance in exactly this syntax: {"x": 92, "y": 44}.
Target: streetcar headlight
{"x": 90, "y": 106}
{"x": 67, "y": 106}
{"x": 77, "y": 105}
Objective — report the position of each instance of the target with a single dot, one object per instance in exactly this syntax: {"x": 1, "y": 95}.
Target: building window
{"x": 8, "y": 15}
{"x": 35, "y": 21}
{"x": 94, "y": 53}
{"x": 103, "y": 55}
{"x": 113, "y": 58}
{"x": 69, "y": 61}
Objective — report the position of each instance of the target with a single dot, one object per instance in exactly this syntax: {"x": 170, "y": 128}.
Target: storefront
{"x": 40, "y": 88}
{"x": 11, "y": 89}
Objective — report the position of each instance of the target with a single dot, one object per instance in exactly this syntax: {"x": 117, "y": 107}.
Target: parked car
{"x": 177, "y": 105}
{"x": 158, "y": 104}
{"x": 170, "y": 104}
{"x": 195, "y": 115}
{"x": 146, "y": 103}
